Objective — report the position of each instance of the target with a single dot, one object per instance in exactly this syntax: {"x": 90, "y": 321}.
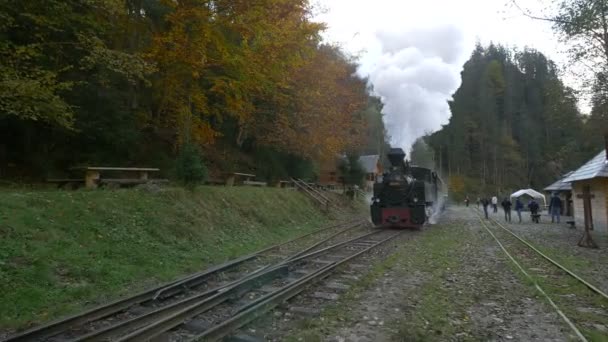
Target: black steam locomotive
{"x": 407, "y": 196}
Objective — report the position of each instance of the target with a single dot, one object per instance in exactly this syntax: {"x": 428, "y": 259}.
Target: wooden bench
{"x": 92, "y": 176}
{"x": 232, "y": 178}
{"x": 253, "y": 183}
{"x": 215, "y": 181}
{"x": 286, "y": 184}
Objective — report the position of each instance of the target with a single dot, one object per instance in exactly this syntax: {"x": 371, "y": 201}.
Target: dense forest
{"x": 514, "y": 124}
{"x": 130, "y": 83}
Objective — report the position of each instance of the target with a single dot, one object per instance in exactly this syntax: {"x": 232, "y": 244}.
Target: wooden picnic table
{"x": 93, "y": 174}
{"x": 232, "y": 176}
{"x": 285, "y": 184}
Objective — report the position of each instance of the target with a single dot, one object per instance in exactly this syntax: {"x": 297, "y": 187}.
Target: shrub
{"x": 189, "y": 167}
{"x": 352, "y": 170}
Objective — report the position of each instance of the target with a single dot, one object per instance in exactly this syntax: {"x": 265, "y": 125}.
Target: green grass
{"x": 63, "y": 251}
{"x": 439, "y": 253}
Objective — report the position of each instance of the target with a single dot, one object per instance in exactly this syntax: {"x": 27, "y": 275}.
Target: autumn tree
{"x": 324, "y": 117}
{"x": 130, "y": 82}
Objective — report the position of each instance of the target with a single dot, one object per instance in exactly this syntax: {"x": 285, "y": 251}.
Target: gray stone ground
{"x": 504, "y": 311}
{"x": 560, "y": 242}
{"x": 487, "y": 300}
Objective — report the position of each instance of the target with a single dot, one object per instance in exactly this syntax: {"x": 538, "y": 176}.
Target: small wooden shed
{"x": 592, "y": 176}
{"x": 564, "y": 191}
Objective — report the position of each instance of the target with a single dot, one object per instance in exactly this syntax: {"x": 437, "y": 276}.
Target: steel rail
{"x": 173, "y": 318}
{"x": 176, "y": 286}
{"x": 304, "y": 251}
{"x": 311, "y": 194}
{"x": 57, "y": 326}
{"x": 191, "y": 281}
{"x": 538, "y": 288}
{"x": 268, "y": 302}
{"x": 563, "y": 268}
{"x": 313, "y": 189}
{"x": 201, "y": 298}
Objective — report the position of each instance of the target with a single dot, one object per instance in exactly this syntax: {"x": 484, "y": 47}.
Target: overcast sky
{"x": 413, "y": 51}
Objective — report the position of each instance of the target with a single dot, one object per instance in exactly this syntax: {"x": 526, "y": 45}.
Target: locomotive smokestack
{"x": 396, "y": 156}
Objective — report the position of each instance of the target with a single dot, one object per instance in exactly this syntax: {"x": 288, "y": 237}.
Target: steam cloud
{"x": 415, "y": 75}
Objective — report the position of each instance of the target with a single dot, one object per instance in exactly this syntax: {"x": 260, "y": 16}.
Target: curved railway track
{"x": 569, "y": 291}
{"x": 179, "y": 293}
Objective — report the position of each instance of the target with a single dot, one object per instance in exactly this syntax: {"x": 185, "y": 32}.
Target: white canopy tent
{"x": 531, "y": 193}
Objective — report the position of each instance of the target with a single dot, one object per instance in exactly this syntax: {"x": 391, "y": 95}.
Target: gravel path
{"x": 449, "y": 283}
{"x": 560, "y": 242}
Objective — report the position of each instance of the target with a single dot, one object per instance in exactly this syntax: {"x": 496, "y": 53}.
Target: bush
{"x": 352, "y": 171}
{"x": 189, "y": 167}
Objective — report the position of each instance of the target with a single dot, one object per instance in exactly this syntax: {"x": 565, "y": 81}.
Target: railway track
{"x": 218, "y": 316}
{"x": 580, "y": 304}
{"x": 146, "y": 306}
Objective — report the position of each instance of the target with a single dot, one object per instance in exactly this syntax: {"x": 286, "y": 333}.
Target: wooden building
{"x": 592, "y": 176}
{"x": 330, "y": 175}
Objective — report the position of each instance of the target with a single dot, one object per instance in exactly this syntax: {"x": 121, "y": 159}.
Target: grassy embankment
{"x": 63, "y": 251}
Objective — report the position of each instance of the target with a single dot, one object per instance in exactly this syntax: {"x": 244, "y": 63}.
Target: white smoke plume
{"x": 415, "y": 75}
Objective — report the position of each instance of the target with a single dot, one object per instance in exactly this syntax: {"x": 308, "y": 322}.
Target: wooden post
{"x": 143, "y": 175}
{"x": 587, "y": 240}
{"x": 230, "y": 180}
{"x": 90, "y": 179}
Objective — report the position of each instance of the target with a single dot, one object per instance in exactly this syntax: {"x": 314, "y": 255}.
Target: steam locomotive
{"x": 406, "y": 196}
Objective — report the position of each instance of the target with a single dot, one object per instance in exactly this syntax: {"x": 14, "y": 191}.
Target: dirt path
{"x": 451, "y": 283}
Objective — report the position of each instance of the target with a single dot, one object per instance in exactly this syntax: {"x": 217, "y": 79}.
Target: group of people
{"x": 555, "y": 207}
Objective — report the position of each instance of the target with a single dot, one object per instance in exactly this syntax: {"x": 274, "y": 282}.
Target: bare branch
{"x": 529, "y": 15}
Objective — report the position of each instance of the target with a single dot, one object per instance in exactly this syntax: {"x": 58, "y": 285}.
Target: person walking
{"x": 466, "y": 201}
{"x": 506, "y": 206}
{"x": 478, "y": 202}
{"x": 519, "y": 206}
{"x": 485, "y": 204}
{"x": 495, "y": 204}
{"x": 533, "y": 206}
{"x": 555, "y": 207}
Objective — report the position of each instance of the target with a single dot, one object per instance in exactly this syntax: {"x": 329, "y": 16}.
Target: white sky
{"x": 354, "y": 22}
{"x": 359, "y": 27}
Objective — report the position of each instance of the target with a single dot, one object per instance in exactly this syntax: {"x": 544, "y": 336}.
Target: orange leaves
{"x": 256, "y": 63}
{"x": 320, "y": 120}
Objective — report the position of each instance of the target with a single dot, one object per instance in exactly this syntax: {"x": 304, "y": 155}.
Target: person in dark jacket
{"x": 555, "y": 207}
{"x": 485, "y": 203}
{"x": 533, "y": 206}
{"x": 519, "y": 206}
{"x": 506, "y": 206}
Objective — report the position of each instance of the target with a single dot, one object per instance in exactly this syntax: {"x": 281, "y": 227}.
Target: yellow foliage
{"x": 456, "y": 184}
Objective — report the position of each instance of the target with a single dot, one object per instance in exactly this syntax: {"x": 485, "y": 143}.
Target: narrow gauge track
{"x": 568, "y": 286}
{"x": 205, "y": 283}
{"x": 219, "y": 315}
